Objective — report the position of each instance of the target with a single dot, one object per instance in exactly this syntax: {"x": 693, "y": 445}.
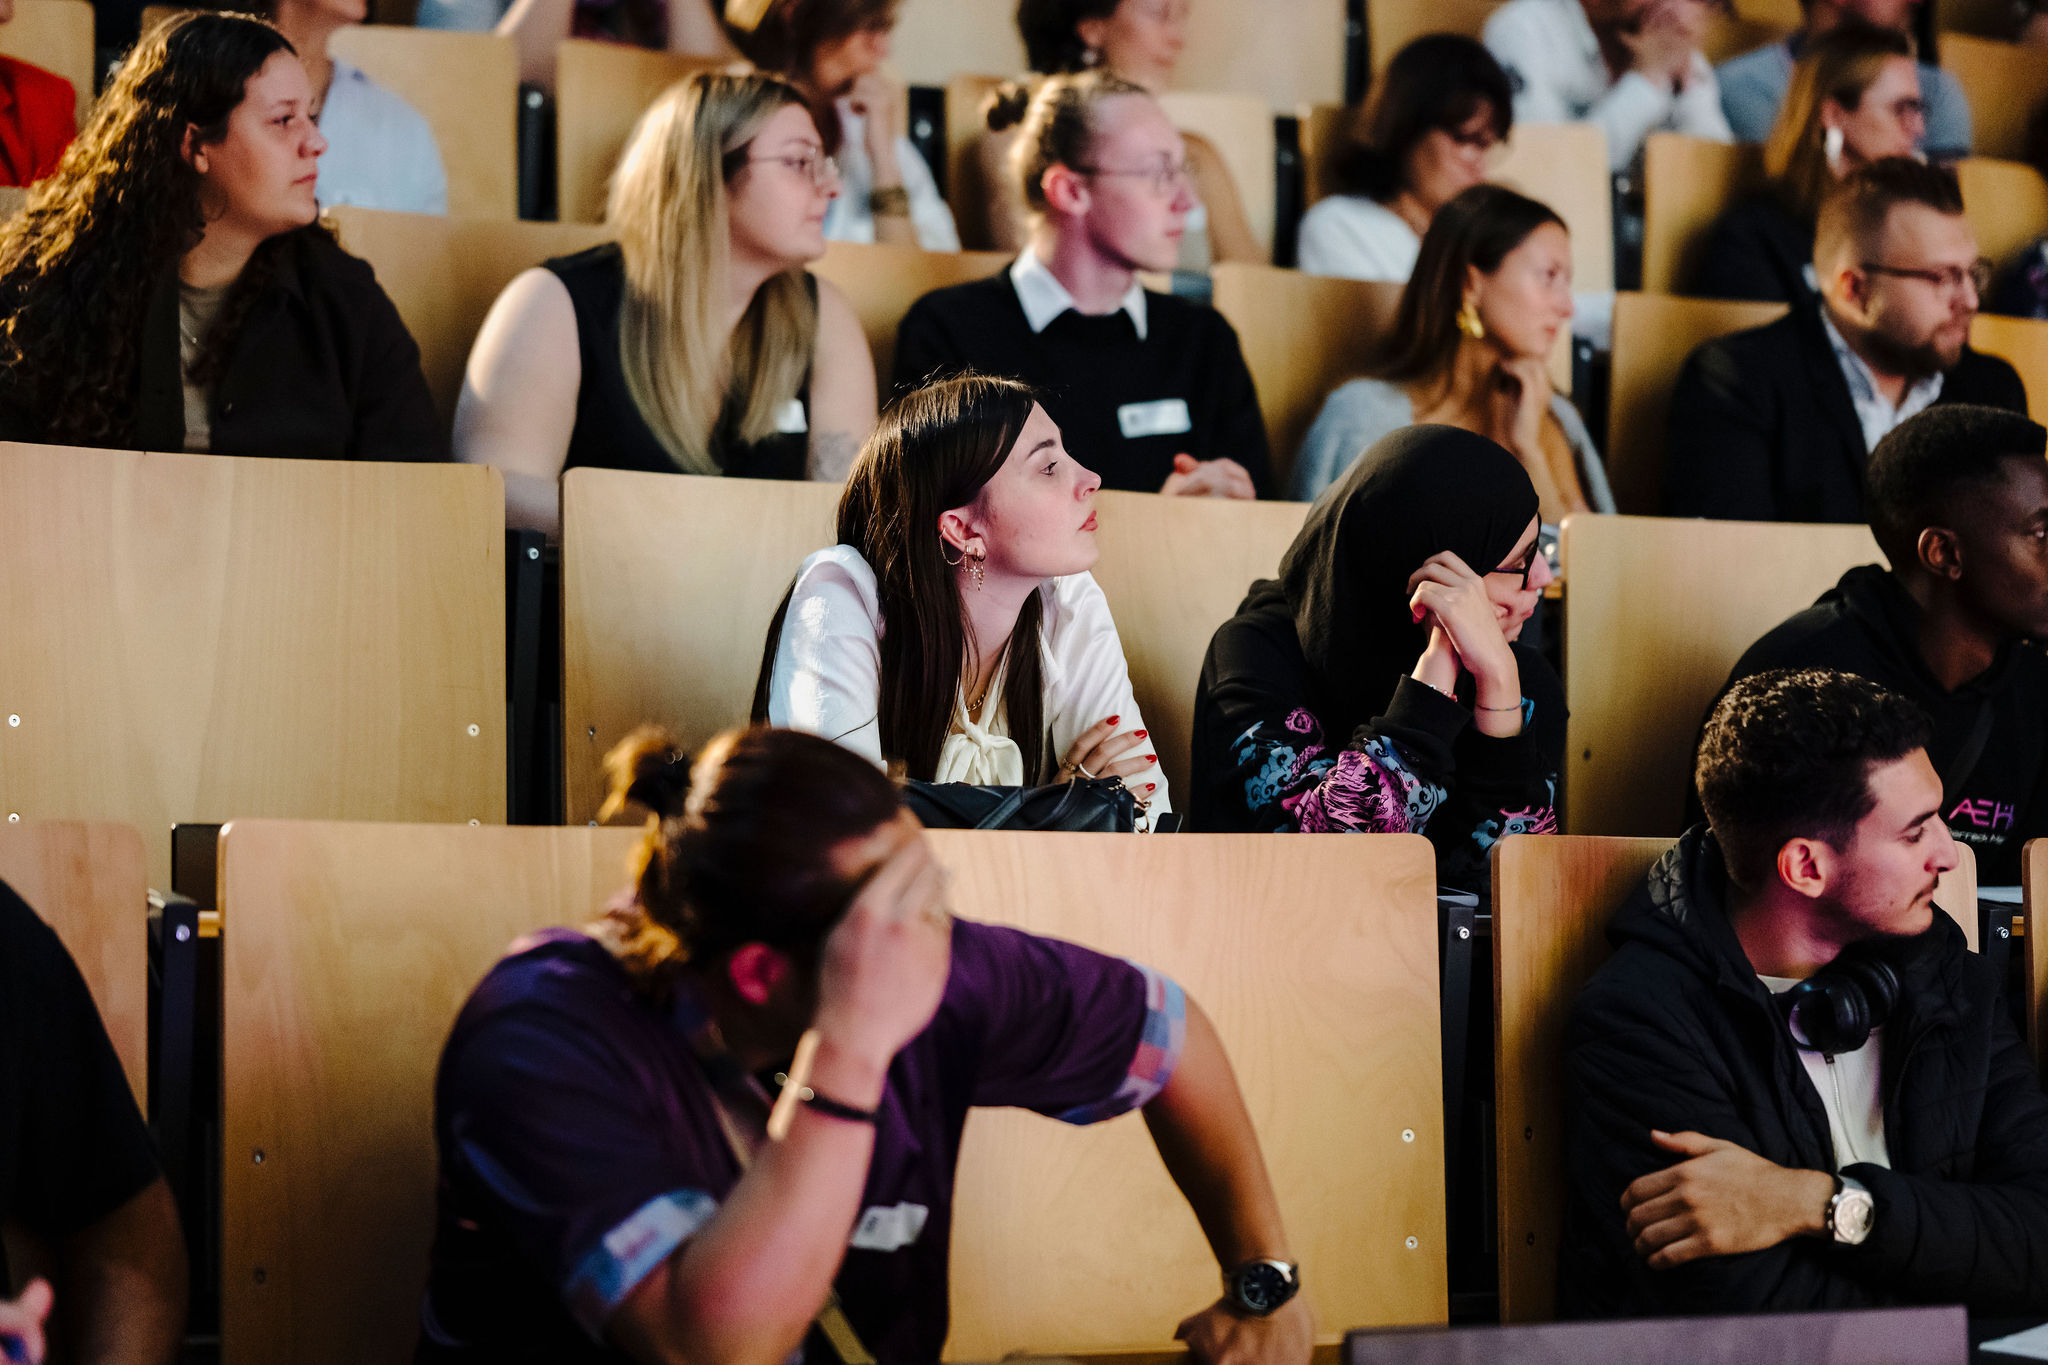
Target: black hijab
{"x": 1417, "y": 492}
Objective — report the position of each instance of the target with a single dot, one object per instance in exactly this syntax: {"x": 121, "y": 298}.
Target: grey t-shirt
{"x": 197, "y": 309}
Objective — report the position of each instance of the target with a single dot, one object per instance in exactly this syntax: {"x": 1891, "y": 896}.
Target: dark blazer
{"x": 1757, "y": 249}
{"x": 322, "y": 369}
{"x": 1762, "y": 427}
{"x": 1676, "y": 1032}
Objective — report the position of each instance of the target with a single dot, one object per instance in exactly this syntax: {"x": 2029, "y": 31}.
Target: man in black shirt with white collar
{"x": 1150, "y": 391}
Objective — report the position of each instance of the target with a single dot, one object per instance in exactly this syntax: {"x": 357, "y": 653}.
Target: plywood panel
{"x": 86, "y": 881}
{"x": 1393, "y": 24}
{"x": 219, "y": 637}
{"x": 1174, "y": 569}
{"x": 1653, "y": 334}
{"x": 1071, "y": 1238}
{"x": 881, "y": 282}
{"x": 1552, "y": 899}
{"x": 669, "y": 582}
{"x": 2035, "y": 945}
{"x": 443, "y": 274}
{"x": 346, "y": 952}
{"x": 1283, "y": 51}
{"x": 1564, "y": 165}
{"x": 1074, "y": 1239}
{"x": 1687, "y": 182}
{"x": 466, "y": 86}
{"x": 2006, "y": 203}
{"x": 56, "y": 35}
{"x": 1657, "y": 613}
{"x": 1302, "y": 336}
{"x": 2005, "y": 84}
{"x": 2023, "y": 344}
{"x": 600, "y": 91}
{"x": 1240, "y": 128}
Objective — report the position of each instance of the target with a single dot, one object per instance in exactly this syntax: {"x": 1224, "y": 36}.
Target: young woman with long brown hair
{"x": 955, "y": 630}
{"x": 695, "y": 344}
{"x": 168, "y": 287}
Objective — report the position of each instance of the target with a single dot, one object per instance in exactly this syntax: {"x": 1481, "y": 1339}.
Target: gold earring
{"x": 950, "y": 563}
{"x": 974, "y": 567}
{"x": 1469, "y": 323}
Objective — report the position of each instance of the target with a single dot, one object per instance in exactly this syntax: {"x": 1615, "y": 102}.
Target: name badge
{"x": 791, "y": 419}
{"x": 1167, "y": 417}
{"x": 881, "y": 1229}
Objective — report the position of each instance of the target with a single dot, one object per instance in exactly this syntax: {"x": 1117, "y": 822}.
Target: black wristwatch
{"x": 1260, "y": 1288}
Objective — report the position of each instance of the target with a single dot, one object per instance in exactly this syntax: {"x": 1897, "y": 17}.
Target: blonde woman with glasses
{"x": 696, "y": 343}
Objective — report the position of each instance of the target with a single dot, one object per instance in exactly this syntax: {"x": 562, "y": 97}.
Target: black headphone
{"x": 1834, "y": 1010}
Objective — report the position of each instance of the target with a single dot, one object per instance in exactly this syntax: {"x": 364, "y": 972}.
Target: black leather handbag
{"x": 1086, "y": 804}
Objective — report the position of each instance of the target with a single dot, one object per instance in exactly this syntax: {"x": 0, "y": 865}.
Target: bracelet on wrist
{"x": 889, "y": 201}
{"x": 832, "y": 1108}
{"x": 1516, "y": 707}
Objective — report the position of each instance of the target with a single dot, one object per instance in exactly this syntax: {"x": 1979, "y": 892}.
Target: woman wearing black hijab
{"x": 1378, "y": 685}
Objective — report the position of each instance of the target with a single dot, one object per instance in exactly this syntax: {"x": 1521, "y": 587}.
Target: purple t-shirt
{"x": 579, "y": 1145}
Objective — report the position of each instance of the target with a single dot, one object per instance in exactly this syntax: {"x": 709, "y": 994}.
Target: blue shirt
{"x": 1753, "y": 86}
{"x": 580, "y": 1145}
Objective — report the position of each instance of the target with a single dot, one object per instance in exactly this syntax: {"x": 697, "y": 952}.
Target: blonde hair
{"x": 668, "y": 204}
{"x": 1839, "y": 65}
{"x": 1056, "y": 125}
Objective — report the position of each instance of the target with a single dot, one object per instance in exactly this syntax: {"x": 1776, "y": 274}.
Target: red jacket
{"x": 38, "y": 118}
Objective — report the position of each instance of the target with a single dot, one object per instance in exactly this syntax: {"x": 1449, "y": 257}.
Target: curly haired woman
{"x": 169, "y": 289}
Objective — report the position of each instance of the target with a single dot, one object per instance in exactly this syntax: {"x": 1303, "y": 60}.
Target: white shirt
{"x": 1043, "y": 297}
{"x": 1848, "y": 1086}
{"x": 847, "y": 219}
{"x": 1553, "y": 64}
{"x": 827, "y": 677}
{"x": 1353, "y": 237}
{"x": 1874, "y": 412}
{"x": 380, "y": 152}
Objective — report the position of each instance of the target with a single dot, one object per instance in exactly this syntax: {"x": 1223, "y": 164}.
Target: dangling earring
{"x": 974, "y": 567}
{"x": 950, "y": 563}
{"x": 1831, "y": 148}
{"x": 1469, "y": 323}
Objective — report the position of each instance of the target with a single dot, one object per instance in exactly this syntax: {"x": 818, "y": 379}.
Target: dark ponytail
{"x": 739, "y": 845}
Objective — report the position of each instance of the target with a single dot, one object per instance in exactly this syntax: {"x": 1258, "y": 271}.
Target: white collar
{"x": 1045, "y": 298}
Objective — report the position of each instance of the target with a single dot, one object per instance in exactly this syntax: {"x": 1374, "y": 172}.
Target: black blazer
{"x": 1762, "y": 427}
{"x": 1757, "y": 249}
{"x": 323, "y": 370}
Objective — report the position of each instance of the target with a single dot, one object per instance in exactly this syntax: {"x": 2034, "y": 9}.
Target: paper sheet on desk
{"x": 2031, "y": 1344}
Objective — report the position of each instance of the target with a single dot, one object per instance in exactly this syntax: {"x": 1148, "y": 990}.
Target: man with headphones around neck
{"x": 1793, "y": 1086}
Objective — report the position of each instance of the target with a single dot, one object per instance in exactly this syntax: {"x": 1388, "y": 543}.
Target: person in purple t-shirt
{"x": 620, "y": 1179}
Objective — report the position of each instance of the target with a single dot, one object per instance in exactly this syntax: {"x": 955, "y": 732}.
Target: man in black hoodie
{"x": 1793, "y": 1086}
{"x": 1959, "y": 504}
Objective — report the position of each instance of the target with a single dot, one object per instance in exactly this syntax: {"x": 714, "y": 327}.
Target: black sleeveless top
{"x": 610, "y": 433}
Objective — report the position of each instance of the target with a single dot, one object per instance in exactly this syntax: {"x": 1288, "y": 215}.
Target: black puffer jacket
{"x": 1676, "y": 1032}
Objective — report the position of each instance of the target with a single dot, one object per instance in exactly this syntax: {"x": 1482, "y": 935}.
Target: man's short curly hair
{"x": 1787, "y": 754}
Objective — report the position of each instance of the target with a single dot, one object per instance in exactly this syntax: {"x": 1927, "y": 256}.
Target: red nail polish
{"x": 1151, "y": 786}
{"x": 1151, "y": 758}
{"x": 1114, "y": 719}
{"x": 1139, "y": 734}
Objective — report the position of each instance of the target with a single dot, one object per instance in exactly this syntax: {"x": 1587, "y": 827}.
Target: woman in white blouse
{"x": 1436, "y": 114}
{"x": 965, "y": 520}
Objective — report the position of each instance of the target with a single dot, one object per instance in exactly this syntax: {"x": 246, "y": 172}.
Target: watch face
{"x": 1853, "y": 1216}
{"x": 1261, "y": 1288}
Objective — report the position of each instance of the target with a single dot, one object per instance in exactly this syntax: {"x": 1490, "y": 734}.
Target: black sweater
{"x": 1867, "y": 625}
{"x": 1090, "y": 368}
{"x": 1676, "y": 1032}
{"x": 1762, "y": 427}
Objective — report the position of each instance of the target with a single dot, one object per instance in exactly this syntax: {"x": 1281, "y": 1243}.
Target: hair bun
{"x": 1005, "y": 106}
{"x": 649, "y": 769}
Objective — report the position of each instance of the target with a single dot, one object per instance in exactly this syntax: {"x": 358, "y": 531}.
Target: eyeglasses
{"x": 821, "y": 170}
{"x": 1481, "y": 142}
{"x": 1908, "y": 108}
{"x": 1167, "y": 178}
{"x": 1948, "y": 280}
{"x": 1528, "y": 564}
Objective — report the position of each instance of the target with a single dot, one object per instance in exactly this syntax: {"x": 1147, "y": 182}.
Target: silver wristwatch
{"x": 1851, "y": 1212}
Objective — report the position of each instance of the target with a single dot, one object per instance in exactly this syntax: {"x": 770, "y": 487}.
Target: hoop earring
{"x": 1469, "y": 323}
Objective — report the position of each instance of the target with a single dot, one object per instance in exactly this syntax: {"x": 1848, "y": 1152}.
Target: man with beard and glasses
{"x": 1793, "y": 1086}
{"x": 1777, "y": 423}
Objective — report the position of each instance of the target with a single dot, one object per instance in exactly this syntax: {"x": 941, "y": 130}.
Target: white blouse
{"x": 1353, "y": 237}
{"x": 828, "y": 673}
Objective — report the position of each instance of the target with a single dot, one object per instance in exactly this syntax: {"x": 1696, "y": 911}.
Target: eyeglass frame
{"x": 1978, "y": 276}
{"x": 1166, "y": 181}
{"x": 825, "y": 170}
{"x": 1527, "y": 566}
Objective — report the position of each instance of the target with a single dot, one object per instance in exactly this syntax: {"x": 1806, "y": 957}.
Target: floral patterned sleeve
{"x": 1393, "y": 777}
